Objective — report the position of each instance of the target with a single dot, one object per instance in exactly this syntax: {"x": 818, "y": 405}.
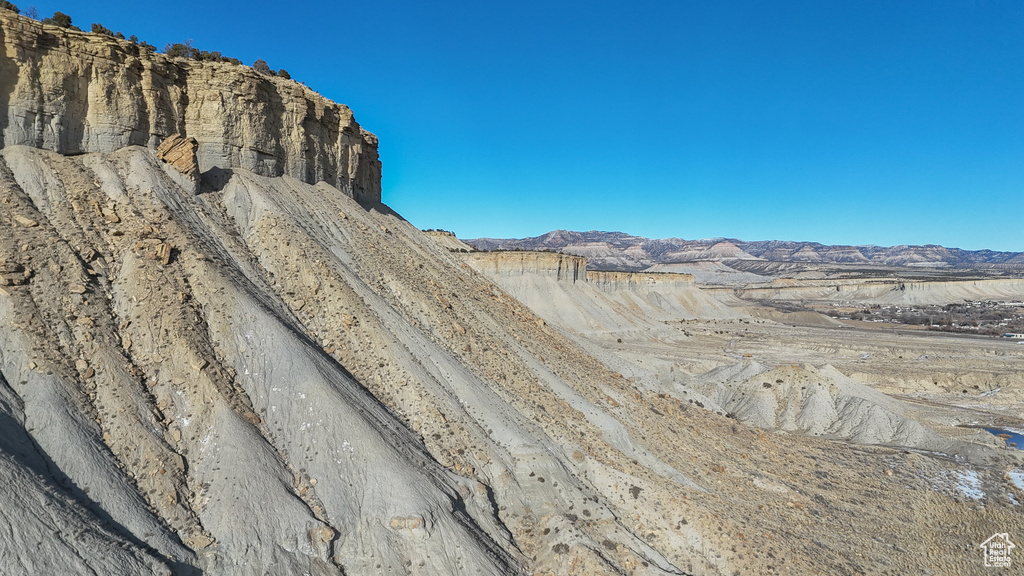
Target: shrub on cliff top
{"x": 262, "y": 67}
{"x": 60, "y": 19}
{"x": 186, "y": 50}
{"x": 179, "y": 50}
{"x": 284, "y": 74}
{"x": 8, "y": 6}
{"x": 101, "y": 29}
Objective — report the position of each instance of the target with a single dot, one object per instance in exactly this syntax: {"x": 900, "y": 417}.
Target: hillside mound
{"x": 818, "y": 401}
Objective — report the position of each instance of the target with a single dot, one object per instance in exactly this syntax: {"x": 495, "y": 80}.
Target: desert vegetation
{"x": 183, "y": 50}
{"x": 189, "y": 52}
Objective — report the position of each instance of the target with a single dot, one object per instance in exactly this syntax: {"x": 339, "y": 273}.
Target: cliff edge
{"x": 74, "y": 92}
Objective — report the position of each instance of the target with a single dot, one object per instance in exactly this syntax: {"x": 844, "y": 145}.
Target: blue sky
{"x": 854, "y": 122}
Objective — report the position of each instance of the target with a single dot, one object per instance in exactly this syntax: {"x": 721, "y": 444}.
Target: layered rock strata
{"x": 561, "y": 290}
{"x": 553, "y": 265}
{"x": 74, "y": 93}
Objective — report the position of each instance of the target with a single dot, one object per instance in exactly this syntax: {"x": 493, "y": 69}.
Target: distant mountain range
{"x": 620, "y": 251}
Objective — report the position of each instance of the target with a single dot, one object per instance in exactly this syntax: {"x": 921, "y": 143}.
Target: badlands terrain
{"x": 222, "y": 354}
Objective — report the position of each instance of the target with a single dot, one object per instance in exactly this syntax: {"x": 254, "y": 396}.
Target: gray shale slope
{"x": 242, "y": 363}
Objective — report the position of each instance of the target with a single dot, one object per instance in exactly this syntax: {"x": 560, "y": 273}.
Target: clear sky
{"x": 854, "y": 122}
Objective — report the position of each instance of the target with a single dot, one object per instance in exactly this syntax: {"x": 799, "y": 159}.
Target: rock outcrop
{"x": 74, "y": 93}
{"x": 561, "y": 290}
{"x": 638, "y": 280}
{"x": 516, "y": 263}
{"x": 180, "y": 153}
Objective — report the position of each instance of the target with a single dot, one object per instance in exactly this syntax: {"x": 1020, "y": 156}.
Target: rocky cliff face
{"x": 562, "y": 291}
{"x": 73, "y": 93}
{"x": 552, "y": 265}
{"x": 638, "y": 280}
{"x": 572, "y": 269}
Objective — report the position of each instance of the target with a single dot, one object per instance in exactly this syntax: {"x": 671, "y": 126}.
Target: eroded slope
{"x": 270, "y": 374}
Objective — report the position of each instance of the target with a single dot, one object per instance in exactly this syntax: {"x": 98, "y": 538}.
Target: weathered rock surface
{"x": 519, "y": 263}
{"x": 73, "y": 93}
{"x": 180, "y": 153}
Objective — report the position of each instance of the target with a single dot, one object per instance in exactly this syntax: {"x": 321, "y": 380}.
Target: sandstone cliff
{"x": 561, "y": 290}
{"x": 552, "y": 265}
{"x": 639, "y": 280}
{"x": 73, "y": 93}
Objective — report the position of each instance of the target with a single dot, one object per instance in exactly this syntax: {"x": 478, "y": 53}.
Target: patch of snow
{"x": 970, "y": 485}
{"x": 1017, "y": 476}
